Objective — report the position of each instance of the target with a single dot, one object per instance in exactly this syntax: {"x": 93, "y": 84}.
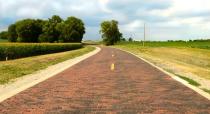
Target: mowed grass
{"x": 175, "y": 57}
{"x": 13, "y": 69}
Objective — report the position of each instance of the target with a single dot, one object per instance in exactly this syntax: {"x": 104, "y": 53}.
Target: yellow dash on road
{"x": 112, "y": 55}
{"x": 112, "y": 66}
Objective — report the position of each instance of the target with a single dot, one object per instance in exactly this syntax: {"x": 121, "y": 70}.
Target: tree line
{"x": 55, "y": 29}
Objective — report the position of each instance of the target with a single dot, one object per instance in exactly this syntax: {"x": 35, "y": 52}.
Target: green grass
{"x": 197, "y": 44}
{"x": 190, "y": 81}
{"x": 13, "y": 69}
{"x": 186, "y": 58}
{"x": 206, "y": 90}
{"x": 3, "y": 40}
{"x": 174, "y": 56}
{"x": 90, "y": 42}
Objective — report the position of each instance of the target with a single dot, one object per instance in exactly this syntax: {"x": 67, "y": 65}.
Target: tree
{"x": 110, "y": 32}
{"x": 123, "y": 39}
{"x": 12, "y": 33}
{"x": 44, "y": 37}
{"x": 72, "y": 30}
{"x": 4, "y": 35}
{"x": 28, "y": 30}
{"x": 52, "y": 30}
{"x": 50, "y": 33}
{"x": 130, "y": 39}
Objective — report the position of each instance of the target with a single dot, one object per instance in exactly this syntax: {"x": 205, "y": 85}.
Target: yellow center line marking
{"x": 112, "y": 66}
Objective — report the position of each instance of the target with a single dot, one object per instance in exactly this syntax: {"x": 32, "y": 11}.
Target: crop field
{"x": 3, "y": 40}
{"x": 186, "y": 59}
{"x": 196, "y": 44}
{"x": 18, "y": 50}
{"x": 13, "y": 69}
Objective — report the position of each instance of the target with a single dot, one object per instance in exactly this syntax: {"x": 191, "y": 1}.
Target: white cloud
{"x": 166, "y": 18}
{"x": 28, "y": 12}
{"x": 103, "y": 4}
{"x": 181, "y": 6}
{"x": 190, "y": 5}
{"x": 133, "y": 26}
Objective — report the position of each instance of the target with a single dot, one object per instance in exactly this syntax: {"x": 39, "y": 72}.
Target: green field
{"x": 12, "y": 69}
{"x": 195, "y": 44}
{"x": 3, "y": 40}
{"x": 188, "y": 59}
{"x": 20, "y": 50}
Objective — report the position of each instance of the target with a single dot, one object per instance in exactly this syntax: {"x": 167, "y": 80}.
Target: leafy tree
{"x": 55, "y": 19}
{"x": 123, "y": 39}
{"x": 4, "y": 35}
{"x": 50, "y": 33}
{"x": 52, "y": 30}
{"x": 12, "y": 33}
{"x": 72, "y": 30}
{"x": 130, "y": 39}
{"x": 45, "y": 38}
{"x": 28, "y": 30}
{"x": 110, "y": 32}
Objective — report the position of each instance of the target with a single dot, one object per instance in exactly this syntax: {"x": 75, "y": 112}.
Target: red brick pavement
{"x": 91, "y": 87}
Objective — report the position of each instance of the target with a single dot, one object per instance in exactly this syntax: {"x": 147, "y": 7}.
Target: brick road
{"x": 91, "y": 87}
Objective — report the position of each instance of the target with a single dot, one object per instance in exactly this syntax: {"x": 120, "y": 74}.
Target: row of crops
{"x": 19, "y": 50}
{"x": 195, "y": 44}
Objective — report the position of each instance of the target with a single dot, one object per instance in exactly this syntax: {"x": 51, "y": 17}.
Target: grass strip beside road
{"x": 179, "y": 60}
{"x": 190, "y": 81}
{"x": 206, "y": 90}
{"x": 13, "y": 69}
{"x": 190, "y": 64}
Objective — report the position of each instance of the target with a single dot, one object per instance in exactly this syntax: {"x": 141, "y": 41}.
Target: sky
{"x": 164, "y": 19}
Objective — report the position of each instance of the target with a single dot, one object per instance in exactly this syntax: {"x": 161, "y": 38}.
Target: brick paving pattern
{"x": 91, "y": 87}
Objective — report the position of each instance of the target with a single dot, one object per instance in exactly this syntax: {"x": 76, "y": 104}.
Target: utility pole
{"x": 144, "y": 34}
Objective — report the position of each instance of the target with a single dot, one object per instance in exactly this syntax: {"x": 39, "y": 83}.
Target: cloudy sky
{"x": 165, "y": 19}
